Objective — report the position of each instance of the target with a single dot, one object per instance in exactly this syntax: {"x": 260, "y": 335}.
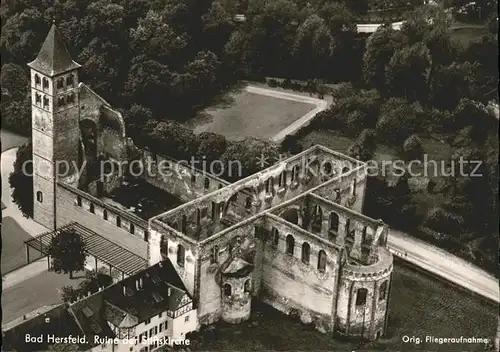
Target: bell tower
{"x": 55, "y": 123}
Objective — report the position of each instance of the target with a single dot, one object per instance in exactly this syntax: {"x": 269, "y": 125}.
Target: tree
{"x": 407, "y": 71}
{"x": 22, "y": 35}
{"x": 170, "y": 138}
{"x": 380, "y": 47}
{"x": 217, "y": 27}
{"x": 14, "y": 79}
{"x": 313, "y": 45}
{"x": 398, "y": 120}
{"x": 454, "y": 82}
{"x": 68, "y": 252}
{"x": 21, "y": 180}
{"x": 211, "y": 146}
{"x": 291, "y": 145}
{"x": 157, "y": 40}
{"x": 412, "y": 148}
{"x": 136, "y": 118}
{"x": 16, "y": 115}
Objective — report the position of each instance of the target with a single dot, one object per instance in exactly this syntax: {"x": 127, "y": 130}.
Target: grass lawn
{"x": 468, "y": 35}
{"x": 13, "y": 248}
{"x": 419, "y": 306}
{"x": 11, "y": 139}
{"x": 35, "y": 293}
{"x": 243, "y": 114}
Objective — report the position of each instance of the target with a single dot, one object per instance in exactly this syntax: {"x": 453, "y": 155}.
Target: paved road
{"x": 444, "y": 264}
{"x": 292, "y": 128}
{"x": 24, "y": 273}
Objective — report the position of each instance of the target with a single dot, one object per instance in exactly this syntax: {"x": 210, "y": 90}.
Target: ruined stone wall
{"x": 209, "y": 297}
{"x": 296, "y": 287}
{"x": 183, "y": 181}
{"x": 237, "y": 307}
{"x": 347, "y": 189}
{"x": 172, "y": 240}
{"x": 68, "y": 210}
{"x": 364, "y": 319}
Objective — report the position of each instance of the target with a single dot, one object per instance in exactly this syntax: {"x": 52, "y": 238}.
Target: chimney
{"x": 169, "y": 291}
{"x": 124, "y": 290}
{"x": 24, "y": 317}
{"x": 137, "y": 284}
{"x": 140, "y": 282}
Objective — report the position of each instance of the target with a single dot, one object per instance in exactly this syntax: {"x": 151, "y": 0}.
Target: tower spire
{"x": 53, "y": 58}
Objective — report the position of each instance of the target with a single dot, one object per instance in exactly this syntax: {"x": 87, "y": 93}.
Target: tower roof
{"x": 53, "y": 57}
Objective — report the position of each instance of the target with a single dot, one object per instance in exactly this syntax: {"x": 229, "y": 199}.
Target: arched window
{"x": 45, "y": 102}
{"x": 132, "y": 228}
{"x": 322, "y": 261}
{"x": 290, "y": 245}
{"x": 60, "y": 83}
{"x": 184, "y": 224}
{"x": 270, "y": 185}
{"x": 118, "y": 221}
{"x": 295, "y": 173}
{"x": 45, "y": 83}
{"x": 282, "y": 179}
{"x": 248, "y": 203}
{"x": 353, "y": 189}
{"x": 207, "y": 183}
{"x": 180, "y": 255}
{"x": 275, "y": 237}
{"x": 214, "y": 258}
{"x": 39, "y": 197}
{"x": 70, "y": 80}
{"x": 198, "y": 217}
{"x": 306, "y": 252}
{"x": 363, "y": 235}
{"x": 164, "y": 246}
{"x": 91, "y": 208}
{"x": 327, "y": 169}
{"x": 70, "y": 99}
{"x": 337, "y": 194}
{"x": 317, "y": 219}
{"x": 227, "y": 290}
{"x": 334, "y": 221}
{"x": 382, "y": 291}
{"x": 348, "y": 228}
{"x": 37, "y": 80}
{"x": 361, "y": 296}
{"x": 60, "y": 100}
{"x": 38, "y": 99}
{"x": 105, "y": 214}
{"x": 248, "y": 286}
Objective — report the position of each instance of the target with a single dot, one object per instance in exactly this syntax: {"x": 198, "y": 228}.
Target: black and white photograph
{"x": 250, "y": 175}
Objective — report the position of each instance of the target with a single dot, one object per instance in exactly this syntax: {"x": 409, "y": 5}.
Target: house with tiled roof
{"x": 139, "y": 313}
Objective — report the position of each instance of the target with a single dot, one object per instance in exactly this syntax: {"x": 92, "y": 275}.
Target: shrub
{"x": 441, "y": 220}
{"x": 272, "y": 83}
{"x": 412, "y": 148}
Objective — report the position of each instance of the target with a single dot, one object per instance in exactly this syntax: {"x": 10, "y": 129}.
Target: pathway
{"x": 443, "y": 264}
